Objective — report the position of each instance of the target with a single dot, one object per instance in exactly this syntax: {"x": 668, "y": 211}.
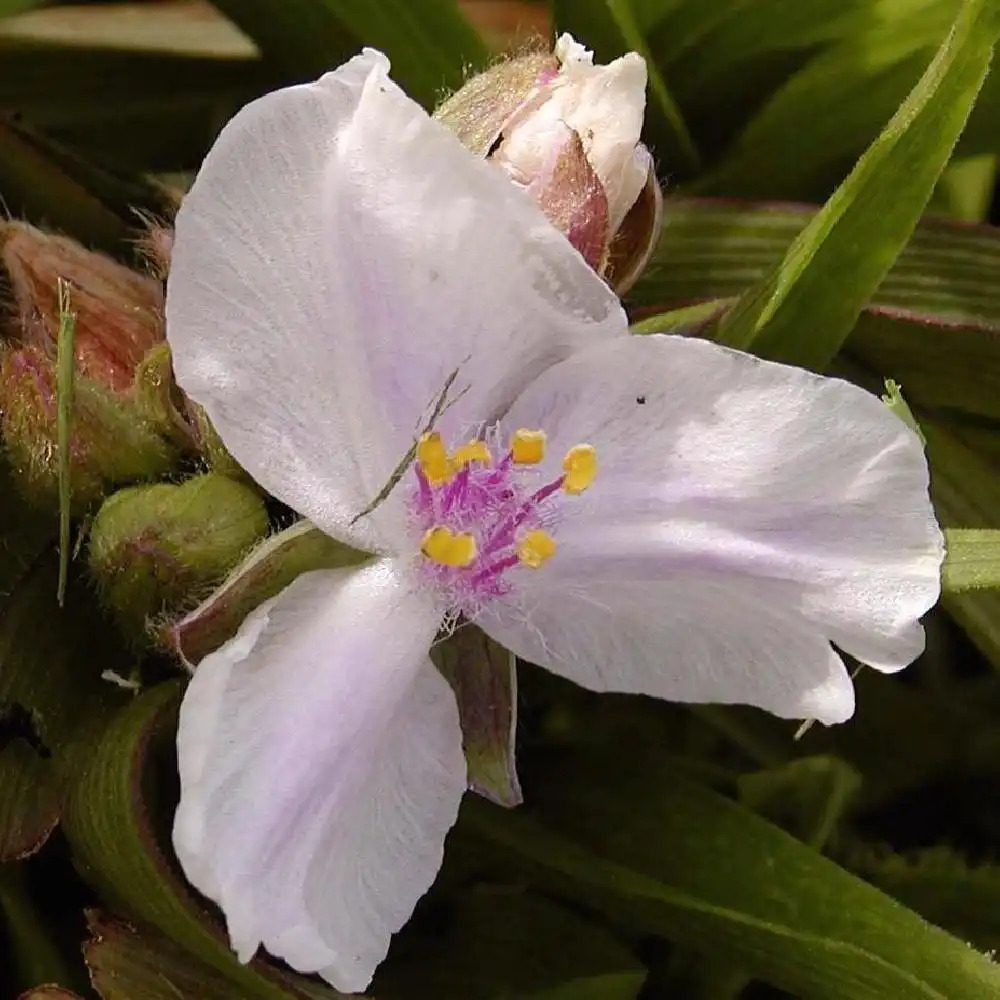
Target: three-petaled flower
{"x": 350, "y": 286}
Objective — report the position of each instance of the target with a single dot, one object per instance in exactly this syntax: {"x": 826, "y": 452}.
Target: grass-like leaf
{"x": 677, "y": 860}
{"x": 973, "y": 561}
{"x": 65, "y": 373}
{"x": 116, "y": 821}
{"x": 50, "y": 697}
{"x": 932, "y": 324}
{"x": 428, "y": 41}
{"x": 805, "y": 308}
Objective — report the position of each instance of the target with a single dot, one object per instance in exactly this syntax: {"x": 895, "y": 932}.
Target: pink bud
{"x": 567, "y": 131}
{"x": 119, "y": 312}
{"x": 604, "y": 105}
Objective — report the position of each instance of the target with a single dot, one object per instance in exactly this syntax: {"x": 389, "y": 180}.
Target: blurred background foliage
{"x": 830, "y": 170}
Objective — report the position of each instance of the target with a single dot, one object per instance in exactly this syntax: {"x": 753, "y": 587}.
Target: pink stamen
{"x": 455, "y": 490}
{"x": 492, "y": 571}
{"x": 492, "y": 503}
{"x": 504, "y": 535}
{"x": 426, "y": 494}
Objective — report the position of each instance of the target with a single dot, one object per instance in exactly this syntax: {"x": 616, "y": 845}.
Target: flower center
{"x": 480, "y": 519}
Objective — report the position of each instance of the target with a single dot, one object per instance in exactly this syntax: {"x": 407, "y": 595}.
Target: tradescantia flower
{"x": 393, "y": 340}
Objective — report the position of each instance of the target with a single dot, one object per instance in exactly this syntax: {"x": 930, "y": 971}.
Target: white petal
{"x": 338, "y": 257}
{"x": 321, "y": 767}
{"x": 697, "y": 638}
{"x": 721, "y": 476}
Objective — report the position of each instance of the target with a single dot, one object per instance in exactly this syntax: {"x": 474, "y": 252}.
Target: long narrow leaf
{"x": 66, "y": 360}
{"x": 428, "y": 41}
{"x": 804, "y": 310}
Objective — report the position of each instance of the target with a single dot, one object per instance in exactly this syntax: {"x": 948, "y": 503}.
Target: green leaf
{"x": 966, "y": 187}
{"x": 965, "y": 488}
{"x": 428, "y": 41}
{"x": 483, "y": 676}
{"x": 45, "y": 182}
{"x": 33, "y": 956}
{"x": 893, "y": 399}
{"x": 52, "y": 695}
{"x": 816, "y": 124}
{"x": 720, "y": 40}
{"x": 715, "y": 249}
{"x": 688, "y": 319}
{"x": 677, "y": 860}
{"x": 198, "y": 31}
{"x": 610, "y": 28}
{"x": 147, "y": 91}
{"x": 49, "y": 993}
{"x": 152, "y": 111}
{"x": 945, "y": 365}
{"x": 799, "y": 313}
{"x": 66, "y": 365}
{"x": 502, "y": 944}
{"x": 904, "y": 737}
{"x": 808, "y": 797}
{"x": 10, "y": 7}
{"x": 128, "y": 963}
{"x": 973, "y": 561}
{"x": 932, "y": 324}
{"x": 117, "y": 822}
{"x": 727, "y": 58}
{"x": 24, "y": 535}
{"x": 942, "y": 886}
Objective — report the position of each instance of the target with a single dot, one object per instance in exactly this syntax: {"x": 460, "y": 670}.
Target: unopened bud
{"x": 110, "y": 442}
{"x": 156, "y": 246}
{"x": 268, "y": 569}
{"x": 568, "y": 132}
{"x": 119, "y": 312}
{"x": 128, "y": 420}
{"x": 209, "y": 445}
{"x": 155, "y": 549}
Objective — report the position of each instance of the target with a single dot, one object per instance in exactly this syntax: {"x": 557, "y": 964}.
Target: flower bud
{"x": 155, "y": 549}
{"x": 209, "y": 445}
{"x": 119, "y": 312}
{"x": 156, "y": 246}
{"x": 568, "y": 132}
{"x": 268, "y": 569}
{"x": 126, "y": 419}
{"x": 110, "y": 441}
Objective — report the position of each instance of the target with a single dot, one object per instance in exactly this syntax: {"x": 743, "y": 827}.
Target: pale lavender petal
{"x": 321, "y": 767}
{"x": 696, "y": 638}
{"x": 730, "y": 490}
{"x": 339, "y": 256}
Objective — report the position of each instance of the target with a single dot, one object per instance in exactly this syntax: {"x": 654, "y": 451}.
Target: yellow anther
{"x": 443, "y": 546}
{"x": 535, "y": 548}
{"x": 580, "y": 468}
{"x": 474, "y": 451}
{"x": 432, "y": 457}
{"x": 528, "y": 447}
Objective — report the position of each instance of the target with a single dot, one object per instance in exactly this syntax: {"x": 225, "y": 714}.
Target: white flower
{"x": 339, "y": 260}
{"x": 604, "y": 105}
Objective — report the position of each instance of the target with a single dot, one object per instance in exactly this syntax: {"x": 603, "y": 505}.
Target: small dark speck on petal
{"x": 641, "y": 400}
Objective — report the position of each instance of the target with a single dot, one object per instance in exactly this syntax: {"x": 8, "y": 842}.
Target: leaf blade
{"x": 428, "y": 41}
{"x": 876, "y": 209}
